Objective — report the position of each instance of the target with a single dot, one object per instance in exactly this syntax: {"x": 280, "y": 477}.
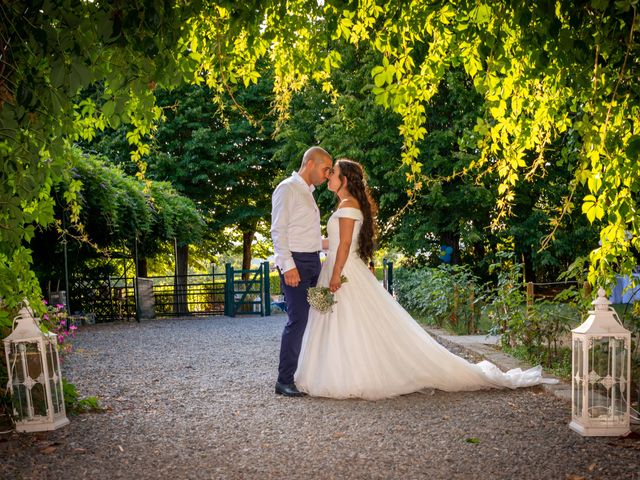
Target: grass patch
{"x": 558, "y": 364}
{"x": 74, "y": 404}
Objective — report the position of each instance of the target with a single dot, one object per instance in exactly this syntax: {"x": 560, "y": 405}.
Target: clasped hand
{"x": 335, "y": 283}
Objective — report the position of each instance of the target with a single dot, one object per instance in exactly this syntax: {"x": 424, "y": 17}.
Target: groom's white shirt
{"x": 295, "y": 221}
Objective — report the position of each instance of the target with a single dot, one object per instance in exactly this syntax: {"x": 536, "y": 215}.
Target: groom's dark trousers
{"x": 308, "y": 265}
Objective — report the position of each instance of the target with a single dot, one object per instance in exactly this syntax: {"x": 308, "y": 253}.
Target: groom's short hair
{"x": 314, "y": 153}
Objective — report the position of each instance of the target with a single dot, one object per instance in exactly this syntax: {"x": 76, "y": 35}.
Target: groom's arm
{"x": 281, "y": 203}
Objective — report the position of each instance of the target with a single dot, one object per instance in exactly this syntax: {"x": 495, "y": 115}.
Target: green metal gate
{"x": 248, "y": 292}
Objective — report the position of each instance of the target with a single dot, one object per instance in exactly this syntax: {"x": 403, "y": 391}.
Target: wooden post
{"x": 454, "y": 314}
{"x": 530, "y": 297}
{"x": 229, "y": 300}
{"x": 267, "y": 290}
{"x": 472, "y": 307}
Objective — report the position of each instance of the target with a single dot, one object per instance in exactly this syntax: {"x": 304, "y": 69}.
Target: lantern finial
{"x": 25, "y": 324}
{"x": 602, "y": 302}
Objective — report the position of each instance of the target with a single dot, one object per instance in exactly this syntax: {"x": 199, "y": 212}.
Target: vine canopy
{"x": 553, "y": 75}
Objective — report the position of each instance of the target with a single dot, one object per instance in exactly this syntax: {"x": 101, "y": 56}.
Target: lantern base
{"x": 608, "y": 431}
{"x": 40, "y": 426}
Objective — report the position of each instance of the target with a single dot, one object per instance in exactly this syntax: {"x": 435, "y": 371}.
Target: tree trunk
{"x": 529, "y": 273}
{"x": 180, "y": 306}
{"x": 247, "y": 240}
{"x": 142, "y": 267}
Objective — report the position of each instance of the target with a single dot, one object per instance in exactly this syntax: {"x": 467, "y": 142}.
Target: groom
{"x": 295, "y": 231}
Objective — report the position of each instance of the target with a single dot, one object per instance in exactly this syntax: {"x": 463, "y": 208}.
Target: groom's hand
{"x": 292, "y": 277}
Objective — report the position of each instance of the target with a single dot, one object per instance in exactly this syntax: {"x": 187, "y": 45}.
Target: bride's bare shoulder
{"x": 349, "y": 203}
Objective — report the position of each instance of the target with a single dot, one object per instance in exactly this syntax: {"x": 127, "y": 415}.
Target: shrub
{"x": 505, "y": 303}
{"x": 55, "y": 320}
{"x": 74, "y": 404}
{"x": 536, "y": 330}
{"x": 446, "y": 296}
{"x": 274, "y": 283}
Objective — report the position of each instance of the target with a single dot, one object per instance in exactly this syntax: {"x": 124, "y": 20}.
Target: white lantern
{"x": 35, "y": 381}
{"x": 601, "y": 378}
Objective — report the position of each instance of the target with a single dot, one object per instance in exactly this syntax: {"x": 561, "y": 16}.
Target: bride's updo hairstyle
{"x": 357, "y": 187}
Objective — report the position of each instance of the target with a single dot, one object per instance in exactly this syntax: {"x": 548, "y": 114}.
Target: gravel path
{"x": 193, "y": 399}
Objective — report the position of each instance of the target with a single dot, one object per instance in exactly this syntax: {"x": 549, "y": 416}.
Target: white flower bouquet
{"x": 321, "y": 298}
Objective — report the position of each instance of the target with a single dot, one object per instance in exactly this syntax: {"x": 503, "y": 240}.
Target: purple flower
{"x": 45, "y": 316}
{"x": 59, "y": 306}
{"x": 45, "y": 302}
{"x": 60, "y": 338}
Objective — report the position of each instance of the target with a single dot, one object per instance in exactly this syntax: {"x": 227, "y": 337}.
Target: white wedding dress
{"x": 369, "y": 346}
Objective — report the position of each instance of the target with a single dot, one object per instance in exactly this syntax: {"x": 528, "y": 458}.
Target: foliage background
{"x": 555, "y": 91}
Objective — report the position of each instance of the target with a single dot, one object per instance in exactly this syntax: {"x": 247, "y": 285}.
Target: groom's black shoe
{"x": 288, "y": 390}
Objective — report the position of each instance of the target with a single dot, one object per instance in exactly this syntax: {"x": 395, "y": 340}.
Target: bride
{"x": 369, "y": 346}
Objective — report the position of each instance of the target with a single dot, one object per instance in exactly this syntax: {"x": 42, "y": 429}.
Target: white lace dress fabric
{"x": 370, "y": 347}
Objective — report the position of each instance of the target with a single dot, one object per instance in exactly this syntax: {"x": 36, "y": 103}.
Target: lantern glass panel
{"x": 39, "y": 399}
{"x": 15, "y": 363}
{"x": 56, "y": 396}
{"x": 34, "y": 361}
{"x": 598, "y": 369}
{"x": 619, "y": 372}
{"x": 577, "y": 374}
{"x": 19, "y": 401}
{"x": 51, "y": 361}
{"x": 599, "y": 361}
{"x": 606, "y": 398}
{"x": 54, "y": 376}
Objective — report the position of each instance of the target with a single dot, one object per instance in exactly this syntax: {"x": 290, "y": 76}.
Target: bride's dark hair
{"x": 357, "y": 186}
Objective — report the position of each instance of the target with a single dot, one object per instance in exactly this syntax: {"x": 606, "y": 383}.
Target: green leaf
{"x": 600, "y": 5}
{"x": 108, "y": 108}
{"x": 390, "y": 72}
{"x": 633, "y": 148}
{"x": 592, "y": 208}
{"x": 57, "y": 73}
{"x": 613, "y": 233}
{"x": 80, "y": 76}
{"x": 624, "y": 5}
{"x": 594, "y": 184}
{"x": 481, "y": 14}
{"x": 473, "y": 440}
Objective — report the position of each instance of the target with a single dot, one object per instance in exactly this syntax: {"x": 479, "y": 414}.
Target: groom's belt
{"x": 315, "y": 252}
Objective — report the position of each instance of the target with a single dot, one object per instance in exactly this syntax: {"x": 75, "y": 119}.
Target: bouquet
{"x": 321, "y": 298}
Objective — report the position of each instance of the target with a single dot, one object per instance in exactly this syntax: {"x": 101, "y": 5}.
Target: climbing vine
{"x": 547, "y": 70}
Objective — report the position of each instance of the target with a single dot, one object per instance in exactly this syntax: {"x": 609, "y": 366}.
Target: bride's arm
{"x": 346, "y": 233}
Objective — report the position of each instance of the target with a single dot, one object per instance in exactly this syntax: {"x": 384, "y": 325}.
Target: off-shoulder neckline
{"x": 353, "y": 210}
